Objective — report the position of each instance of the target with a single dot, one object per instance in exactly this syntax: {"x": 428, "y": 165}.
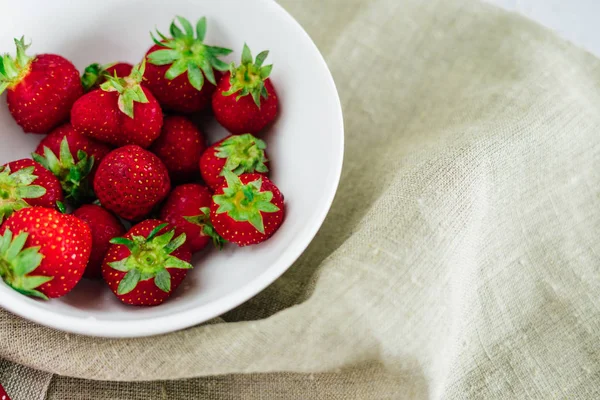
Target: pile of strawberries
{"x": 121, "y": 150}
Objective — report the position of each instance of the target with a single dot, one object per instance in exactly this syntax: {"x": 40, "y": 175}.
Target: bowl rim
{"x": 151, "y": 326}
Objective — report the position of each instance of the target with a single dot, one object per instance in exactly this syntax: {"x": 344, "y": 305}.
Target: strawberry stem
{"x": 149, "y": 259}
{"x": 16, "y": 263}
{"x": 129, "y": 88}
{"x": 244, "y": 154}
{"x": 93, "y": 73}
{"x": 72, "y": 175}
{"x": 90, "y": 76}
{"x": 249, "y": 77}
{"x": 245, "y": 202}
{"x": 12, "y": 70}
{"x": 15, "y": 188}
{"x": 203, "y": 220}
{"x": 186, "y": 53}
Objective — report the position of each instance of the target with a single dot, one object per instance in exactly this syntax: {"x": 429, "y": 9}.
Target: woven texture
{"x": 461, "y": 256}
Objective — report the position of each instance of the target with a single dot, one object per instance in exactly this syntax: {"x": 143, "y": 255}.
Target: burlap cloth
{"x": 461, "y": 259}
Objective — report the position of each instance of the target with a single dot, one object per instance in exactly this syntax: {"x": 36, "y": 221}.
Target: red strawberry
{"x": 104, "y": 227}
{"x": 3, "y": 394}
{"x": 247, "y": 210}
{"x": 180, "y": 146}
{"x": 41, "y": 89}
{"x": 25, "y": 183}
{"x": 130, "y": 181}
{"x": 121, "y": 112}
{"x": 43, "y": 253}
{"x": 143, "y": 268}
{"x": 188, "y": 208}
{"x": 95, "y": 74}
{"x": 171, "y": 58}
{"x": 240, "y": 154}
{"x": 245, "y": 100}
{"x": 73, "y": 159}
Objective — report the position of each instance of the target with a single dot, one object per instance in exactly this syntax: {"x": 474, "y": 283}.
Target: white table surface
{"x": 574, "y": 20}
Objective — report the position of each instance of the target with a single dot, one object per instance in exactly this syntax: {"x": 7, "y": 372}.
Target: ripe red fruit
{"x": 241, "y": 154}
{"x": 25, "y": 183}
{"x": 180, "y": 146}
{"x": 245, "y": 100}
{"x": 41, "y": 89}
{"x": 188, "y": 208}
{"x": 73, "y": 159}
{"x": 143, "y": 268}
{"x": 43, "y": 253}
{"x": 3, "y": 394}
{"x": 104, "y": 227}
{"x": 121, "y": 112}
{"x": 248, "y": 209}
{"x": 95, "y": 74}
{"x": 169, "y": 60}
{"x": 130, "y": 181}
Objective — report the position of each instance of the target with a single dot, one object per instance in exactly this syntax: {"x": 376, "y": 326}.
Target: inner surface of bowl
{"x": 305, "y": 147}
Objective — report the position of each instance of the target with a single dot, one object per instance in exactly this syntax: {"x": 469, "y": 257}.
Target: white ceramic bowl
{"x": 305, "y": 146}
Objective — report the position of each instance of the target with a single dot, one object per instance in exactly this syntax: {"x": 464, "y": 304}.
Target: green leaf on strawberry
{"x": 208, "y": 229}
{"x": 149, "y": 259}
{"x": 249, "y": 77}
{"x": 163, "y": 281}
{"x": 15, "y": 188}
{"x": 186, "y": 53}
{"x": 243, "y": 153}
{"x": 17, "y": 263}
{"x": 129, "y": 88}
{"x": 72, "y": 175}
{"x": 245, "y": 202}
{"x": 12, "y": 69}
{"x": 93, "y": 73}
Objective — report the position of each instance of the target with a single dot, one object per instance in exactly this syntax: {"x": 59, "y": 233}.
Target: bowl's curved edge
{"x": 161, "y": 325}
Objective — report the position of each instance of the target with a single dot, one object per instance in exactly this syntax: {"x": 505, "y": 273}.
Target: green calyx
{"x": 93, "y": 73}
{"x": 244, "y": 154}
{"x": 203, "y": 220}
{"x": 15, "y": 188}
{"x": 129, "y": 88}
{"x": 249, "y": 78}
{"x": 72, "y": 175}
{"x": 12, "y": 69}
{"x": 245, "y": 202}
{"x": 17, "y": 263}
{"x": 186, "y": 52}
{"x": 61, "y": 207}
{"x": 150, "y": 257}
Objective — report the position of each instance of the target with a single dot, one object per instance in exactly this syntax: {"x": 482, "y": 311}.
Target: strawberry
{"x": 180, "y": 146}
{"x": 245, "y": 100}
{"x": 43, "y": 253}
{"x": 143, "y": 268}
{"x": 188, "y": 208}
{"x": 73, "y": 159}
{"x": 25, "y": 183}
{"x": 121, "y": 112}
{"x": 105, "y": 227}
{"x": 238, "y": 153}
{"x": 41, "y": 89}
{"x": 247, "y": 210}
{"x": 95, "y": 74}
{"x": 3, "y": 394}
{"x": 130, "y": 181}
{"x": 169, "y": 60}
